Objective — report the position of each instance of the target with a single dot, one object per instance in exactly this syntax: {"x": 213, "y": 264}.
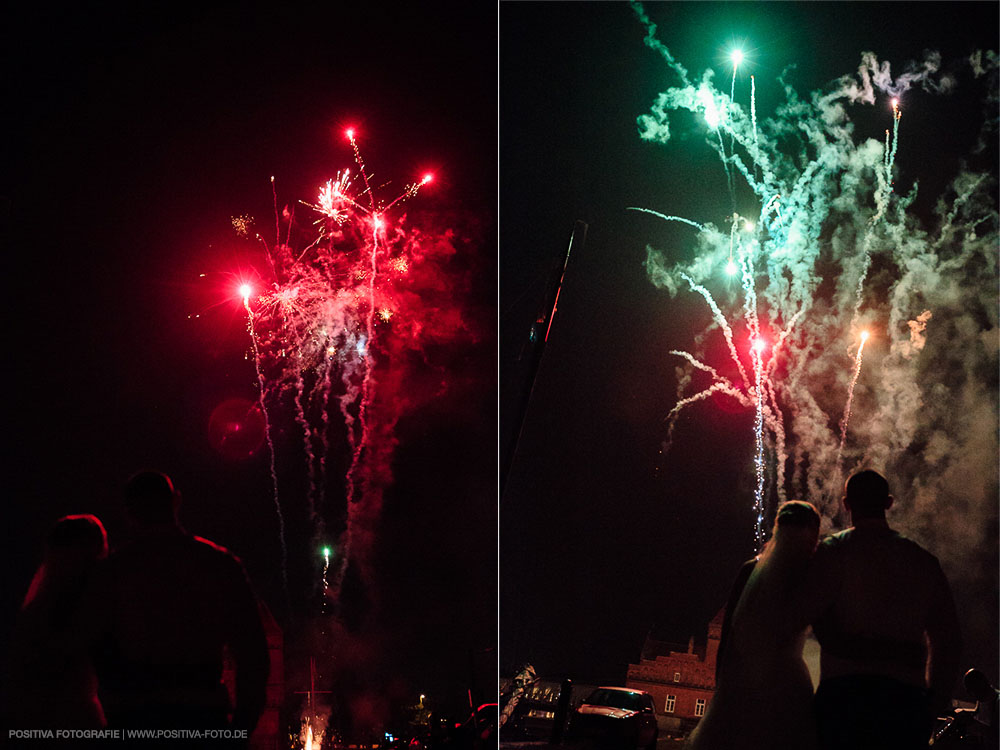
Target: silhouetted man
{"x": 161, "y": 611}
{"x": 886, "y": 622}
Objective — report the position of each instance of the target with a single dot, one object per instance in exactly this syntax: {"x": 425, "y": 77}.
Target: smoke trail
{"x": 695, "y": 224}
{"x": 850, "y": 396}
{"x": 270, "y": 446}
{"x": 720, "y": 319}
{"x": 753, "y": 121}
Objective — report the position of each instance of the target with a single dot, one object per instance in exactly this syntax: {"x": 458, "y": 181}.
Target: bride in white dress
{"x": 763, "y": 698}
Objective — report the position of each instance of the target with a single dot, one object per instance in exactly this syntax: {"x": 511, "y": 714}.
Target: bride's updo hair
{"x": 798, "y": 514}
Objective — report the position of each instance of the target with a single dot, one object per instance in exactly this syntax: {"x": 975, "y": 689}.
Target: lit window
{"x": 699, "y": 707}
{"x": 669, "y": 705}
{"x": 677, "y": 676}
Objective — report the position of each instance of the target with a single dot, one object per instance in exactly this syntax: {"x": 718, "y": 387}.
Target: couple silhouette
{"x": 883, "y": 613}
{"x": 137, "y": 638}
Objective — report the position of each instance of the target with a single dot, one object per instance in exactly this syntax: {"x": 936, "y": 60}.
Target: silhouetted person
{"x": 763, "y": 699}
{"x": 885, "y": 619}
{"x": 163, "y": 608}
{"x": 986, "y": 715}
{"x": 51, "y": 681}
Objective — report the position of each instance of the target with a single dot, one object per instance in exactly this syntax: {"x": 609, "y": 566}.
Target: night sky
{"x": 131, "y": 138}
{"x": 598, "y": 548}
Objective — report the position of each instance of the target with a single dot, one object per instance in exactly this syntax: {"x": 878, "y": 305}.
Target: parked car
{"x": 615, "y": 716}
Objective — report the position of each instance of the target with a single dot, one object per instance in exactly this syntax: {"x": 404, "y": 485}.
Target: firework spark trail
{"x": 749, "y": 296}
{"x": 737, "y": 57}
{"x": 307, "y": 442}
{"x": 326, "y": 568}
{"x": 277, "y": 222}
{"x": 361, "y": 168}
{"x": 757, "y": 349}
{"x": 881, "y": 203}
{"x": 732, "y": 241}
{"x": 773, "y": 418}
{"x": 850, "y": 396}
{"x": 718, "y": 387}
{"x": 720, "y": 319}
{"x": 699, "y": 364}
{"x": 695, "y": 224}
{"x": 365, "y": 349}
{"x": 753, "y": 120}
{"x": 323, "y": 398}
{"x": 270, "y": 444}
{"x": 775, "y": 423}
{"x": 775, "y": 202}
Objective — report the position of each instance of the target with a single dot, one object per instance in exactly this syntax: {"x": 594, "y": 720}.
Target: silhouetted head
{"x": 73, "y": 546}
{"x": 799, "y": 514}
{"x": 150, "y": 499}
{"x": 78, "y": 538}
{"x": 797, "y": 525}
{"x": 866, "y": 495}
{"x": 978, "y": 685}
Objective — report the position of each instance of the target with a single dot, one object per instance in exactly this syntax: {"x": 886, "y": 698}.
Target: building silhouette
{"x": 680, "y": 679}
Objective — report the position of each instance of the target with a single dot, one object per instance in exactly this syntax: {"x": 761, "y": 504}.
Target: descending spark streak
{"x": 362, "y": 443}
{"x": 361, "y": 167}
{"x": 773, "y": 421}
{"x": 720, "y": 319}
{"x": 326, "y": 567}
{"x": 307, "y": 440}
{"x": 718, "y": 387}
{"x": 881, "y": 203}
{"x": 753, "y": 120}
{"x": 695, "y": 224}
{"x": 850, "y": 396}
{"x": 749, "y": 295}
{"x": 737, "y": 58}
{"x": 699, "y": 364}
{"x": 758, "y": 426}
{"x": 270, "y": 444}
{"x": 277, "y": 223}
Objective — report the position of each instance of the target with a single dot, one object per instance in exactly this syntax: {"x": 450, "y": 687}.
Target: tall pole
{"x": 534, "y": 348}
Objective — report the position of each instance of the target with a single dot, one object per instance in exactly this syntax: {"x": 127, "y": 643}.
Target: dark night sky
{"x": 595, "y": 548}
{"x": 130, "y": 138}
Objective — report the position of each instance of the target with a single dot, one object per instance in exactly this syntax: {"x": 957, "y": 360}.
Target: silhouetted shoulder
{"x": 209, "y": 547}
{"x": 914, "y": 549}
{"x": 833, "y": 542}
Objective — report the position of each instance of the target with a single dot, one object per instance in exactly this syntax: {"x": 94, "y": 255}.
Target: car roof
{"x": 622, "y": 690}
